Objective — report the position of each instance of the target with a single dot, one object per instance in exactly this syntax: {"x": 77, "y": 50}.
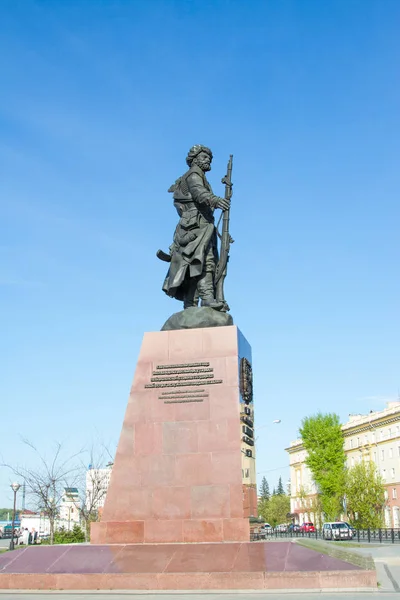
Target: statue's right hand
{"x": 223, "y": 204}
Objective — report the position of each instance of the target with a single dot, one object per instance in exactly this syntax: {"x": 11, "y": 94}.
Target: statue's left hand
{"x": 223, "y": 204}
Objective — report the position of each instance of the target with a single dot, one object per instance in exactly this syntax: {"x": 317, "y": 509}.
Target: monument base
{"x": 164, "y": 531}
{"x": 219, "y": 566}
{"x": 184, "y": 470}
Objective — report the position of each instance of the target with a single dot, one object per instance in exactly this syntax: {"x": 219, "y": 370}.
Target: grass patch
{"x": 359, "y": 560}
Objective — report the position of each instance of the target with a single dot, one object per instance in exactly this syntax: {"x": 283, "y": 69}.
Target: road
{"x": 387, "y": 562}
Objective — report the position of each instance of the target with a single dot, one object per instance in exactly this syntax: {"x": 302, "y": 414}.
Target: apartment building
{"x": 69, "y": 508}
{"x": 97, "y": 482}
{"x": 375, "y": 437}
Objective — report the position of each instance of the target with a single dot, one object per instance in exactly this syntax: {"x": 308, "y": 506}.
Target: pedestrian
{"x": 33, "y": 537}
{"x": 24, "y": 538}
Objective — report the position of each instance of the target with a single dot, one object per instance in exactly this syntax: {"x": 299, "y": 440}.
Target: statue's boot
{"x": 205, "y": 289}
{"x": 191, "y": 296}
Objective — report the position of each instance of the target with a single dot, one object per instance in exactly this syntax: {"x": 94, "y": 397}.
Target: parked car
{"x": 7, "y": 531}
{"x": 282, "y": 528}
{"x": 293, "y": 527}
{"x": 336, "y": 531}
{"x": 353, "y": 529}
{"x": 307, "y": 527}
{"x": 266, "y": 529}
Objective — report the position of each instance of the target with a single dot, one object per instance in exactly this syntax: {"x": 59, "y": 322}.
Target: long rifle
{"x": 226, "y": 239}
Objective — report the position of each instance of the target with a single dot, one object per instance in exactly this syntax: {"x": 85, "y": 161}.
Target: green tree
{"x": 365, "y": 495}
{"x": 322, "y": 438}
{"x": 264, "y": 489}
{"x": 274, "y": 492}
{"x": 280, "y": 490}
{"x": 5, "y": 514}
{"x": 75, "y": 536}
{"x": 276, "y": 510}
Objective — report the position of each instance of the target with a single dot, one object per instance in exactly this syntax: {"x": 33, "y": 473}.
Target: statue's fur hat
{"x": 194, "y": 151}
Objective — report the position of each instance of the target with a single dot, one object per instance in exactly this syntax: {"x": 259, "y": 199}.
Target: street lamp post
{"x": 15, "y": 487}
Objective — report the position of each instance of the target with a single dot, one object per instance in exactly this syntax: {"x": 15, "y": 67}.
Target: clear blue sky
{"x": 99, "y": 103}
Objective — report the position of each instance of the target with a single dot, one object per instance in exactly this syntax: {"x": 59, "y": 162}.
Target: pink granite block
{"x": 219, "y": 435}
{"x": 126, "y": 439}
{"x": 203, "y": 530}
{"x": 180, "y": 437}
{"x": 236, "y": 581}
{"x": 218, "y": 366}
{"x": 125, "y": 474}
{"x": 220, "y": 341}
{"x": 134, "y": 504}
{"x": 347, "y": 579}
{"x": 185, "y": 346}
{"x": 294, "y": 580}
{"x": 171, "y": 502}
{"x": 126, "y": 532}
{"x": 193, "y": 411}
{"x": 182, "y": 581}
{"x": 160, "y": 412}
{"x": 134, "y": 558}
{"x": 236, "y": 530}
{"x": 137, "y": 410}
{"x": 225, "y": 403}
{"x": 236, "y": 500}
{"x": 193, "y": 469}
{"x": 231, "y": 371}
{"x": 226, "y": 467}
{"x": 205, "y": 558}
{"x": 143, "y": 373}
{"x": 210, "y": 502}
{"x": 154, "y": 347}
{"x": 157, "y": 470}
{"x": 163, "y": 531}
{"x": 98, "y": 532}
{"x": 148, "y": 438}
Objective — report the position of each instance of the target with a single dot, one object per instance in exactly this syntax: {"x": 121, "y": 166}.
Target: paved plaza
{"x": 198, "y": 596}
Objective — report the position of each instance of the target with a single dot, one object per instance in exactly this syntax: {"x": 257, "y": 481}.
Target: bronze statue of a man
{"x": 194, "y": 254}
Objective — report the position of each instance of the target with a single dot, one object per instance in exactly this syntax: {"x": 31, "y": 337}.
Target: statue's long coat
{"x": 194, "y": 248}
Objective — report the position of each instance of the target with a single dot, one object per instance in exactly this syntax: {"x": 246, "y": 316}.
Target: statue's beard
{"x": 204, "y": 165}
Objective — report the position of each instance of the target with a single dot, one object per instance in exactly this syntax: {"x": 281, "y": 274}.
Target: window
{"x": 382, "y": 434}
{"x": 352, "y": 461}
{"x": 365, "y": 439}
{"x": 351, "y": 443}
{"x": 383, "y": 473}
{"x": 398, "y": 450}
{"x": 394, "y": 493}
{"x": 374, "y": 456}
{"x": 386, "y": 494}
{"x": 358, "y": 442}
{"x": 390, "y": 452}
{"x": 397, "y": 429}
{"x": 393, "y": 473}
{"x": 382, "y": 454}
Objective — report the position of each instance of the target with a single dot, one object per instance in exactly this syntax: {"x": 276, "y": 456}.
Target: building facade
{"x": 372, "y": 437}
{"x": 69, "y": 507}
{"x": 97, "y": 482}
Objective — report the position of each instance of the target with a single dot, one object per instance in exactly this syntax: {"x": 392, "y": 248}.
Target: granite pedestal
{"x": 177, "y": 475}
